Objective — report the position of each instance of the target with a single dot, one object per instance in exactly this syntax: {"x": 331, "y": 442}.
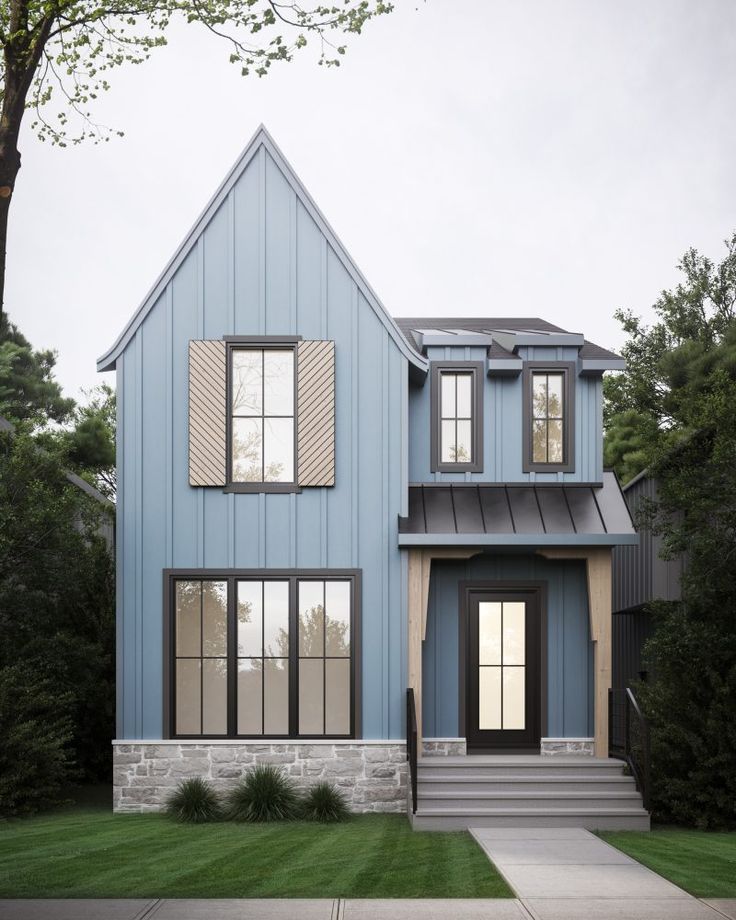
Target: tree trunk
{"x": 9, "y": 166}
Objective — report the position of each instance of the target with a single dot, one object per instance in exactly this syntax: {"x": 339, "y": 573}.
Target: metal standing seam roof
{"x": 518, "y": 514}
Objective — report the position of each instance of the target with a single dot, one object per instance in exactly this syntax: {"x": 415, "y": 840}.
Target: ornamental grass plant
{"x": 263, "y": 794}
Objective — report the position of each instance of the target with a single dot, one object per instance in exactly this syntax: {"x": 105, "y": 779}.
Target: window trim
{"x": 231, "y": 576}
{"x": 262, "y": 342}
{"x": 476, "y": 369}
{"x": 567, "y": 368}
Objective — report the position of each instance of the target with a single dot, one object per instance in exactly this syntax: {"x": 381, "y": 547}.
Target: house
{"x": 320, "y": 506}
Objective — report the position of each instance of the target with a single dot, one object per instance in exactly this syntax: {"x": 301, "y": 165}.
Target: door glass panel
{"x": 514, "y": 623}
{"x": 513, "y": 698}
{"x": 250, "y": 618}
{"x": 489, "y": 633}
{"x": 489, "y": 698}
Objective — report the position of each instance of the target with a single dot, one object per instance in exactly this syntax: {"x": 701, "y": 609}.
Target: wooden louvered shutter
{"x": 207, "y": 413}
{"x": 316, "y": 413}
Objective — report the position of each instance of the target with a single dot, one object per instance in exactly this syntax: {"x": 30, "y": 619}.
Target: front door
{"x": 503, "y": 685}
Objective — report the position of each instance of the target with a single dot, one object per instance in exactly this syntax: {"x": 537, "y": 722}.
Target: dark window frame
{"x": 232, "y": 576}
{"x": 567, "y": 368}
{"x": 263, "y": 342}
{"x": 476, "y": 369}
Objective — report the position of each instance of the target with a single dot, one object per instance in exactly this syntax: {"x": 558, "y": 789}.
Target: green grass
{"x": 86, "y": 852}
{"x": 701, "y": 862}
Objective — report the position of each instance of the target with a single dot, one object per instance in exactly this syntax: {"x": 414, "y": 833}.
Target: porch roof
{"x": 523, "y": 514}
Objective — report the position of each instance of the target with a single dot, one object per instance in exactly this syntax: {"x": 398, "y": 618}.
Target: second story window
{"x": 548, "y": 417}
{"x": 262, "y": 415}
{"x": 457, "y": 417}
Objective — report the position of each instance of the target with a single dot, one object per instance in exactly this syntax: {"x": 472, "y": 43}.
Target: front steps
{"x": 454, "y": 793}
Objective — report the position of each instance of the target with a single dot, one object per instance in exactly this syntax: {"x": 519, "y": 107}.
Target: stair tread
{"x": 530, "y": 795}
{"x": 511, "y": 812}
{"x": 511, "y": 778}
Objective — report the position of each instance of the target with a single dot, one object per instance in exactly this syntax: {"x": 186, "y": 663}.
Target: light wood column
{"x": 598, "y": 567}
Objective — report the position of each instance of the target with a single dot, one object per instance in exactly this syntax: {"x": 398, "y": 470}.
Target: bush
{"x": 264, "y": 794}
{"x": 194, "y": 801}
{"x": 325, "y": 803}
{"x": 35, "y": 731}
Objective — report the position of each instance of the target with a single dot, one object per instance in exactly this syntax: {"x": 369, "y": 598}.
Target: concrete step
{"x": 526, "y": 801}
{"x": 489, "y": 767}
{"x": 431, "y": 819}
{"x": 442, "y": 782}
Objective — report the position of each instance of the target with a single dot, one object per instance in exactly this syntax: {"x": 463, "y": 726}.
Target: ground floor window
{"x": 262, "y": 654}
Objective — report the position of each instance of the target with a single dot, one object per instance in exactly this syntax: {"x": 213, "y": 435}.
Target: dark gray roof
{"x": 409, "y": 324}
{"x": 549, "y": 513}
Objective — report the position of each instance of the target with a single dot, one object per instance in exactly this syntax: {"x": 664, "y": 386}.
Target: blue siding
{"x": 569, "y": 654}
{"x": 502, "y": 432}
{"x": 261, "y": 266}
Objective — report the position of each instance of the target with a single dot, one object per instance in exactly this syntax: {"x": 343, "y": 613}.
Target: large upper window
{"x": 457, "y": 417}
{"x": 547, "y": 418}
{"x": 262, "y": 415}
{"x": 263, "y": 656}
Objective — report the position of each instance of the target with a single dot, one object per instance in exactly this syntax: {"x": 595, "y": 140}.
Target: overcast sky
{"x": 547, "y": 158}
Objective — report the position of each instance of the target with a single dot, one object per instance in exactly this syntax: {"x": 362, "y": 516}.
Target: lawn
{"x": 701, "y": 862}
{"x": 86, "y": 852}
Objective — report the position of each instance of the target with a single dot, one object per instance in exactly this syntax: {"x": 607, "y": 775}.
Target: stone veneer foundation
{"x": 444, "y": 747}
{"x": 584, "y": 746}
{"x": 371, "y": 775}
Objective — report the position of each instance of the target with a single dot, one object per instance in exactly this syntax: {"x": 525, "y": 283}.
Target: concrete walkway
{"x": 570, "y": 874}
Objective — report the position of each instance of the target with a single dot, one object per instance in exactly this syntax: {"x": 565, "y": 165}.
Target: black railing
{"x": 629, "y": 739}
{"x": 411, "y": 745}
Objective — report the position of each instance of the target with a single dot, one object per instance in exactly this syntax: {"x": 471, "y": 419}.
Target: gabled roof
{"x": 260, "y": 139}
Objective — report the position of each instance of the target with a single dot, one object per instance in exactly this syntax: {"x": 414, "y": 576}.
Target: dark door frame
{"x": 465, "y": 588}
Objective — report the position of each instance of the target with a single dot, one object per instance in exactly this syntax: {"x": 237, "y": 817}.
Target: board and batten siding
{"x": 503, "y": 420}
{"x": 570, "y": 675}
{"x": 262, "y": 266}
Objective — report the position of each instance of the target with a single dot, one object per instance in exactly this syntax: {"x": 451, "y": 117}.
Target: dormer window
{"x": 457, "y": 417}
{"x": 548, "y": 417}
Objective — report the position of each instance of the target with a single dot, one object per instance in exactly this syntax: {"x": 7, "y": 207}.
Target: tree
{"x": 90, "y": 444}
{"x": 62, "y": 51}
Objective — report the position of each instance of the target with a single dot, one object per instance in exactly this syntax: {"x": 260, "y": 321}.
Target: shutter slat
{"x": 316, "y": 413}
{"x": 207, "y": 413}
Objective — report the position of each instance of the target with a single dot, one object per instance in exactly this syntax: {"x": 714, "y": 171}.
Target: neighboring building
{"x": 319, "y": 506}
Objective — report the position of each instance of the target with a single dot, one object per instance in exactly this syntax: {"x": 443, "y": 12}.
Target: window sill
{"x": 256, "y": 487}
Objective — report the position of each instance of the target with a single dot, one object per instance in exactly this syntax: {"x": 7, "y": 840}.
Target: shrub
{"x": 264, "y": 794}
{"x": 36, "y": 729}
{"x": 325, "y": 803}
{"x": 195, "y": 801}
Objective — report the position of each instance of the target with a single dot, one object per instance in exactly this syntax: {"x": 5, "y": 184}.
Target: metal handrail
{"x": 411, "y": 745}
{"x": 633, "y": 744}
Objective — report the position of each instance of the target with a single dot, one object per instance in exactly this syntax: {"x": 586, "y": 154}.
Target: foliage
{"x": 90, "y": 444}
{"x": 36, "y": 730}
{"x": 194, "y": 801}
{"x": 28, "y": 391}
{"x": 264, "y": 794}
{"x": 325, "y": 803}
{"x": 674, "y": 414}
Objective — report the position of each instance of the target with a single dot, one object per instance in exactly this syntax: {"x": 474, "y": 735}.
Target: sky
{"x": 550, "y": 158}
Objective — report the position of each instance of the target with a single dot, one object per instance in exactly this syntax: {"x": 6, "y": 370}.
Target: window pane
{"x": 464, "y": 451}
{"x": 447, "y": 396}
{"x": 555, "y": 441}
{"x": 464, "y": 395}
{"x": 514, "y": 636}
{"x": 337, "y": 697}
{"x": 489, "y": 632}
{"x": 214, "y": 618}
{"x": 249, "y": 696}
{"x": 311, "y": 619}
{"x": 447, "y": 435}
{"x": 246, "y": 463}
{"x": 276, "y": 696}
{"x": 188, "y": 635}
{"x": 539, "y": 395}
{"x": 489, "y": 702}
{"x": 554, "y": 397}
{"x": 311, "y": 696}
{"x": 247, "y": 381}
{"x": 337, "y": 618}
{"x": 214, "y": 692}
{"x": 539, "y": 441}
{"x": 276, "y": 618}
{"x": 513, "y": 698}
{"x": 188, "y": 697}
{"x": 278, "y": 450}
{"x": 249, "y": 618}
{"x": 278, "y": 382}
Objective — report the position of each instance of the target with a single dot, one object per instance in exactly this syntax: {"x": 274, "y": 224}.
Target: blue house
{"x": 321, "y": 506}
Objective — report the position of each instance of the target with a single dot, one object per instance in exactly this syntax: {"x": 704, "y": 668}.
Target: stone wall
{"x": 584, "y": 746}
{"x": 371, "y": 776}
{"x": 443, "y": 747}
